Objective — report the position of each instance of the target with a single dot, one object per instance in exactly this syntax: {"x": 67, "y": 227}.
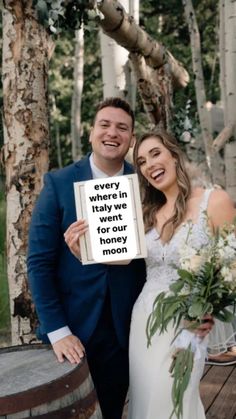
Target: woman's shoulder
{"x": 216, "y": 195}
{"x": 220, "y": 196}
{"x": 221, "y": 208}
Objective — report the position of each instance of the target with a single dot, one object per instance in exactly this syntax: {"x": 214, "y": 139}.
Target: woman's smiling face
{"x": 157, "y": 164}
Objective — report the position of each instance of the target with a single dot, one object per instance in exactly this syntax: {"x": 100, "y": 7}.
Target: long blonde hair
{"x": 152, "y": 198}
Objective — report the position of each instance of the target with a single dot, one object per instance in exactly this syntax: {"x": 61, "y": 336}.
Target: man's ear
{"x": 133, "y": 139}
{"x": 90, "y": 135}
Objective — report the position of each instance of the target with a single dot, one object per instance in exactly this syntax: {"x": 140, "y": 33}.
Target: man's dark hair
{"x": 115, "y": 102}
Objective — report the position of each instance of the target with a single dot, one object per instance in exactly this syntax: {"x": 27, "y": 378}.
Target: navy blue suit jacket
{"x": 64, "y": 291}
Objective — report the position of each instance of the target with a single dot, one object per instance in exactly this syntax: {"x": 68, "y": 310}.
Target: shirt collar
{"x": 97, "y": 173}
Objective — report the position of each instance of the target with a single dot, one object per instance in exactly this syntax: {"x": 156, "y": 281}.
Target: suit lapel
{"x": 128, "y": 168}
{"x": 83, "y": 170}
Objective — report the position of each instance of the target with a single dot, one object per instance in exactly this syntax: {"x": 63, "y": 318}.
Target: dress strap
{"x": 205, "y": 199}
{"x": 202, "y": 218}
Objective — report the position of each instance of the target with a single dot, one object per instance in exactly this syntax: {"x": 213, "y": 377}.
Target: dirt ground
{"x": 5, "y": 339}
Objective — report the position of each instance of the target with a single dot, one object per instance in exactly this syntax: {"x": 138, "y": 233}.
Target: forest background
{"x": 163, "y": 21}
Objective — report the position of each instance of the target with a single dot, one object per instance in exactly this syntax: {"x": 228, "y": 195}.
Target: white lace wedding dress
{"x": 150, "y": 380}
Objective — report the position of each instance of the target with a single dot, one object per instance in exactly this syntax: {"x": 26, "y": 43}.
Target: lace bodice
{"x": 163, "y": 259}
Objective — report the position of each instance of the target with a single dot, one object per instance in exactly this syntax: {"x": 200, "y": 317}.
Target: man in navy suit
{"x": 85, "y": 307}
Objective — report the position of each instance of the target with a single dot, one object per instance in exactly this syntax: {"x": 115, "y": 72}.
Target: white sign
{"x": 112, "y": 209}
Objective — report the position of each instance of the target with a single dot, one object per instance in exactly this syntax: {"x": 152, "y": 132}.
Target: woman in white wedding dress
{"x": 169, "y": 204}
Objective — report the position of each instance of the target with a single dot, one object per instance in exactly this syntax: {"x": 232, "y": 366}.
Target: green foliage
{"x": 92, "y": 92}
{"x": 55, "y": 14}
{"x": 60, "y": 93}
{"x": 1, "y": 93}
{"x": 181, "y": 369}
{"x": 183, "y": 125}
{"x": 61, "y": 89}
{"x": 4, "y": 299}
{"x": 165, "y": 310}
{"x": 2, "y": 218}
{"x": 165, "y": 22}
{"x": 209, "y": 32}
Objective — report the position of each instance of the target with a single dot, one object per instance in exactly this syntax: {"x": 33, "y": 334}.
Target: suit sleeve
{"x": 45, "y": 241}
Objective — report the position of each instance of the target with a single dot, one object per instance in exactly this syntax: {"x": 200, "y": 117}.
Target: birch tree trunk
{"x": 133, "y": 11}
{"x": 228, "y": 87}
{"x": 227, "y": 41}
{"x": 26, "y": 135}
{"x": 222, "y": 48}
{"x": 77, "y": 95}
{"x": 117, "y": 76}
{"x": 115, "y": 68}
{"x": 213, "y": 161}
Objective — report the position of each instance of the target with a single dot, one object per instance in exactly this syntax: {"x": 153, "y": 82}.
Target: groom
{"x": 86, "y": 308}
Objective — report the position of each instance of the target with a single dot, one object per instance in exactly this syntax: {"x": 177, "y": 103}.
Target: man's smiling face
{"x": 111, "y": 135}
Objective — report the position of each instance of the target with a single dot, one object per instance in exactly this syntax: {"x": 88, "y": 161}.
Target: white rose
{"x": 196, "y": 262}
{"x": 225, "y": 271}
{"x": 185, "y": 264}
{"x": 226, "y": 274}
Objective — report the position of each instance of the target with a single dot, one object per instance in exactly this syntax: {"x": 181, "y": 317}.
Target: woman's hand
{"x": 72, "y": 235}
{"x": 206, "y": 326}
{"x": 203, "y": 329}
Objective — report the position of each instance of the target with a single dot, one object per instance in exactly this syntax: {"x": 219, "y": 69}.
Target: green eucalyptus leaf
{"x": 224, "y": 315}
{"x": 171, "y": 310}
{"x": 196, "y": 309}
{"x": 175, "y": 287}
{"x": 181, "y": 370}
{"x": 208, "y": 308}
{"x": 185, "y": 275}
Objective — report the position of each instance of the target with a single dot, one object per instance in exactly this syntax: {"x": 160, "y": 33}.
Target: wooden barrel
{"x": 34, "y": 384}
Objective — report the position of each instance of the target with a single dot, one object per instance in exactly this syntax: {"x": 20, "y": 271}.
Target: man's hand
{"x": 70, "y": 348}
{"x": 72, "y": 235}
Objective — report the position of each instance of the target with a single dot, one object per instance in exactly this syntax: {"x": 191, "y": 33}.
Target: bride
{"x": 169, "y": 203}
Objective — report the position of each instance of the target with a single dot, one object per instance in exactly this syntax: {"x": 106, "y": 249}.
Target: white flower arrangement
{"x": 206, "y": 285}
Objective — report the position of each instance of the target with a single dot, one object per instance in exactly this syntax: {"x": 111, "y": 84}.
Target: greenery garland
{"x": 54, "y": 14}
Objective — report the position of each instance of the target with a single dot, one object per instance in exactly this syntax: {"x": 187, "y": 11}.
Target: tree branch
{"x": 117, "y": 24}
{"x": 222, "y": 138}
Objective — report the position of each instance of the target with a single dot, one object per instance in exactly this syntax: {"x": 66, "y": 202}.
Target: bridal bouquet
{"x": 206, "y": 285}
